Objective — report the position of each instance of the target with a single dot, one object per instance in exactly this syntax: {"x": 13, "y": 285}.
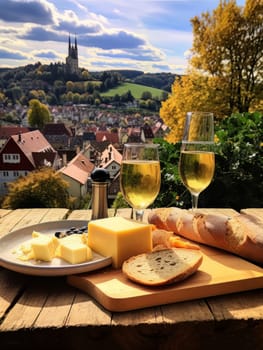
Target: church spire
{"x": 72, "y": 58}
{"x": 69, "y": 44}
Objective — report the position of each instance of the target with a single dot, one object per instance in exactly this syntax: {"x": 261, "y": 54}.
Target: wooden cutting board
{"x": 220, "y": 273}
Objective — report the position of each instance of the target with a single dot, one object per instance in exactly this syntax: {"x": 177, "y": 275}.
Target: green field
{"x": 135, "y": 89}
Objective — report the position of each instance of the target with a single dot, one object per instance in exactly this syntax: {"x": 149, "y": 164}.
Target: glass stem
{"x": 194, "y": 202}
{"x": 139, "y": 215}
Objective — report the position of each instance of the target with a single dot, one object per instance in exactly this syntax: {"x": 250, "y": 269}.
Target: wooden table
{"x": 47, "y": 313}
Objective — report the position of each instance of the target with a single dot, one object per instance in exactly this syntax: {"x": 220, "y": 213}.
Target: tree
{"x": 228, "y": 45}
{"x": 3, "y": 98}
{"x": 42, "y": 188}
{"x": 146, "y": 95}
{"x": 38, "y": 114}
{"x": 225, "y": 72}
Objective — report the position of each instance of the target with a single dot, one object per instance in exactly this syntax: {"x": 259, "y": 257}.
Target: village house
{"x": 77, "y": 174}
{"x": 75, "y": 156}
{"x": 111, "y": 160}
{"x": 24, "y": 153}
{"x": 7, "y": 131}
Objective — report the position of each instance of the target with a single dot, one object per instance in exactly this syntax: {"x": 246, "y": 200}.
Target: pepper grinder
{"x": 100, "y": 178}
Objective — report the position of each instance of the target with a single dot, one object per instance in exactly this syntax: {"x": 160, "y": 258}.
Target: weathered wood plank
{"x": 37, "y": 215}
{"x": 86, "y": 311}
{"x": 4, "y": 212}
{"x": 10, "y": 221}
{"x": 27, "y": 308}
{"x": 58, "y": 303}
{"x": 25, "y": 217}
{"x": 196, "y": 310}
{"x": 54, "y": 214}
{"x": 81, "y": 214}
{"x": 11, "y": 284}
{"x": 152, "y": 315}
{"x": 238, "y": 306}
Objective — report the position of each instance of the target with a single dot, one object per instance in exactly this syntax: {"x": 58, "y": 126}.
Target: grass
{"x": 135, "y": 89}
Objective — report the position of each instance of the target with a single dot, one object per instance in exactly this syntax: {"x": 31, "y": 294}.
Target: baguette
{"x": 237, "y": 234}
{"x": 162, "y": 267}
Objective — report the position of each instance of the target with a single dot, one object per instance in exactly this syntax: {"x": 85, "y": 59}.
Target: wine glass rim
{"x": 141, "y": 144}
{"x": 200, "y": 112}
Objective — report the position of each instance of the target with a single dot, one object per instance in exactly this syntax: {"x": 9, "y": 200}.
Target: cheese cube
{"x": 73, "y": 250}
{"x": 119, "y": 238}
{"x": 43, "y": 247}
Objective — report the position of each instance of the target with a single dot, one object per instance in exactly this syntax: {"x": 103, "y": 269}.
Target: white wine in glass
{"x": 140, "y": 176}
{"x": 197, "y": 159}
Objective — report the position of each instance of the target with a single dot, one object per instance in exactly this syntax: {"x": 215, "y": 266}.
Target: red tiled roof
{"x": 112, "y": 137}
{"x": 79, "y": 168}
{"x": 109, "y": 154}
{"x": 7, "y": 131}
{"x": 57, "y": 129}
{"x": 32, "y": 142}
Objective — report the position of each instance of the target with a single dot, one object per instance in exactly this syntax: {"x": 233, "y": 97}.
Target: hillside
{"x": 53, "y": 84}
{"x": 162, "y": 81}
{"x": 135, "y": 89}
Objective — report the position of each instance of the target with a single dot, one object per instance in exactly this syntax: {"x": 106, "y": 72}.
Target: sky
{"x": 148, "y": 35}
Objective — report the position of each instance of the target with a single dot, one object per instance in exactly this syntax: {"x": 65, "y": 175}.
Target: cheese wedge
{"x": 119, "y": 238}
{"x": 73, "y": 250}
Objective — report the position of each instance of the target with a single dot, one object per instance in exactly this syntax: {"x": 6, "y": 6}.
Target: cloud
{"x": 46, "y": 54}
{"x": 115, "y": 40}
{"x": 12, "y": 55}
{"x": 42, "y": 34}
{"x": 111, "y": 64}
{"x": 162, "y": 67}
{"x": 105, "y": 41}
{"x": 140, "y": 54}
{"x": 34, "y": 11}
{"x": 71, "y": 24}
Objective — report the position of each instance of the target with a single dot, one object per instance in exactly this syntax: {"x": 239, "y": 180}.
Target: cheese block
{"x": 43, "y": 246}
{"x": 73, "y": 250}
{"x": 119, "y": 238}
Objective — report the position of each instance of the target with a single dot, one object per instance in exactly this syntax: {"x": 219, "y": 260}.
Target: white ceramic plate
{"x": 57, "y": 267}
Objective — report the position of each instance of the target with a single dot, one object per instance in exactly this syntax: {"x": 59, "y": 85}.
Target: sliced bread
{"x": 162, "y": 267}
{"x": 240, "y": 233}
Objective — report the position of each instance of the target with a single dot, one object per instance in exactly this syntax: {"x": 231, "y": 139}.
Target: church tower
{"x": 72, "y": 60}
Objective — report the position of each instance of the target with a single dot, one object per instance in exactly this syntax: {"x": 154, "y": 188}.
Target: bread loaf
{"x": 237, "y": 234}
{"x": 162, "y": 267}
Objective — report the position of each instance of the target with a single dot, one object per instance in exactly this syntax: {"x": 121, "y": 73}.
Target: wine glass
{"x": 140, "y": 176}
{"x": 197, "y": 159}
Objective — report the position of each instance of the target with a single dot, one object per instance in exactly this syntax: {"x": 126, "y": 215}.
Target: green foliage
{"x": 239, "y": 162}
{"x": 40, "y": 189}
{"x": 172, "y": 191}
{"x": 119, "y": 202}
{"x": 50, "y": 84}
{"x": 135, "y": 89}
{"x": 238, "y": 179}
{"x": 38, "y": 114}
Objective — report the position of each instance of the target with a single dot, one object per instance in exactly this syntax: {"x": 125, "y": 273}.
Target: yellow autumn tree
{"x": 38, "y": 114}
{"x": 225, "y": 71}
{"x": 190, "y": 92}
{"x": 42, "y": 188}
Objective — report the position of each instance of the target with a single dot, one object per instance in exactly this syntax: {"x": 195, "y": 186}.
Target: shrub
{"x": 237, "y": 182}
{"x": 40, "y": 189}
